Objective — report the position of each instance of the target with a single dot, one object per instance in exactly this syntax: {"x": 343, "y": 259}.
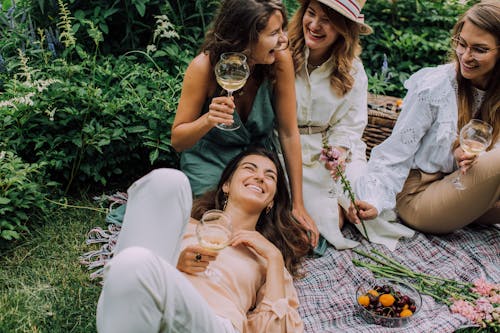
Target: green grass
{"x": 43, "y": 288}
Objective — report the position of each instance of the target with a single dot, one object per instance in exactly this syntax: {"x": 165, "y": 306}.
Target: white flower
{"x": 150, "y": 48}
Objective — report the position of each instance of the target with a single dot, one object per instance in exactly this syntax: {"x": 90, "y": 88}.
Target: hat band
{"x": 351, "y": 6}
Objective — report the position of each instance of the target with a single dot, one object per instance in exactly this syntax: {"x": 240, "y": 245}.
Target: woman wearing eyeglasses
{"x": 413, "y": 170}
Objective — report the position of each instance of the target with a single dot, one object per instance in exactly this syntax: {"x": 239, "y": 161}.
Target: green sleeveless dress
{"x": 204, "y": 162}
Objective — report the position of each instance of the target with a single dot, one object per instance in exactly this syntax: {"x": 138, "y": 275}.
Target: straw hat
{"x": 350, "y": 9}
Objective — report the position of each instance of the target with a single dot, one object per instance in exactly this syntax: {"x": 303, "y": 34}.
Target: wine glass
{"x": 474, "y": 138}
{"x": 214, "y": 233}
{"x": 232, "y": 72}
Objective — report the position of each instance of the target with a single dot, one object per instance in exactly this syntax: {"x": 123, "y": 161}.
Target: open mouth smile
{"x": 255, "y": 188}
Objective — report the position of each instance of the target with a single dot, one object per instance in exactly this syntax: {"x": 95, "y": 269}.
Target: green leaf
{"x": 4, "y": 201}
{"x": 153, "y": 156}
{"x": 136, "y": 129}
{"x": 141, "y": 8}
{"x": 9, "y": 234}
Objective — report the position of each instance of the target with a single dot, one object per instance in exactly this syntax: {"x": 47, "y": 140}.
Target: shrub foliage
{"x": 409, "y": 35}
{"x": 20, "y": 192}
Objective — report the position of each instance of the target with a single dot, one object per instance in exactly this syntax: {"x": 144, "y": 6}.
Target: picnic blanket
{"x": 327, "y": 292}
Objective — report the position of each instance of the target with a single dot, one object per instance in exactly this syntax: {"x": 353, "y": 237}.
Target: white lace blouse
{"x": 421, "y": 139}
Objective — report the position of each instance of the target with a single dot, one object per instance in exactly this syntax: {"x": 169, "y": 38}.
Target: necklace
{"x": 312, "y": 67}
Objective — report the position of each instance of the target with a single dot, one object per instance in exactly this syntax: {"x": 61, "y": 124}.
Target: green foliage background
{"x": 89, "y": 89}
{"x": 412, "y": 34}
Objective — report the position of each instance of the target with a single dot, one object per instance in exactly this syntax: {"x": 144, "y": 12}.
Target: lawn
{"x": 43, "y": 288}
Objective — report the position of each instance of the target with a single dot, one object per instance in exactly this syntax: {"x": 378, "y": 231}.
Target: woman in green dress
{"x": 265, "y": 103}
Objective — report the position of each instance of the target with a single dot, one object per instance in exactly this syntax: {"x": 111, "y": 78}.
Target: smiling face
{"x": 263, "y": 51}
{"x": 253, "y": 183}
{"x": 319, "y": 31}
{"x": 478, "y": 71}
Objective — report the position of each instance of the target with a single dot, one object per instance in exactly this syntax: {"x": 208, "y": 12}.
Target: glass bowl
{"x": 386, "y": 319}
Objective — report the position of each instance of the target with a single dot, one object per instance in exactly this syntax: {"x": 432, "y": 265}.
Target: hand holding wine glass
{"x": 475, "y": 137}
{"x": 232, "y": 72}
{"x": 214, "y": 232}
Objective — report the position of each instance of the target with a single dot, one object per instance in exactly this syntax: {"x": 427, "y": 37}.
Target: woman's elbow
{"x": 176, "y": 143}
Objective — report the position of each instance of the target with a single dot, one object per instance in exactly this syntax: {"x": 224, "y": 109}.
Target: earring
{"x": 268, "y": 209}
{"x": 226, "y": 195}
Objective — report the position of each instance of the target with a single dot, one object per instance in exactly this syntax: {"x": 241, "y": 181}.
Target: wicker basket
{"x": 383, "y": 112}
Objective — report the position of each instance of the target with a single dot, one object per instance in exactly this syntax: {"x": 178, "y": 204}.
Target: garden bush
{"x": 90, "y": 121}
{"x": 21, "y": 194}
{"x": 88, "y": 117}
{"x": 408, "y": 35}
{"x": 129, "y": 24}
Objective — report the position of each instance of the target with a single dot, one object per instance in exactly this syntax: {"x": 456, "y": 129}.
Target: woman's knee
{"x": 163, "y": 183}
{"x": 125, "y": 269}
{"x": 488, "y": 164}
{"x": 166, "y": 181}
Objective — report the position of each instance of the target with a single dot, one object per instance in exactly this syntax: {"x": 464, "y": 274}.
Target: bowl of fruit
{"x": 387, "y": 302}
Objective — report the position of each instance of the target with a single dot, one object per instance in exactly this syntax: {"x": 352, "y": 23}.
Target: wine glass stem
{"x": 457, "y": 182}
{"x": 230, "y": 94}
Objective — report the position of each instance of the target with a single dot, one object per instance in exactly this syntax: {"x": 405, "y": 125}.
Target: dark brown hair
{"x": 278, "y": 226}
{"x": 236, "y": 27}
{"x": 486, "y": 16}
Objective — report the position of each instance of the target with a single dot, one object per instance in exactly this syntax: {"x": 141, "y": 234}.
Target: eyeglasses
{"x": 476, "y": 52}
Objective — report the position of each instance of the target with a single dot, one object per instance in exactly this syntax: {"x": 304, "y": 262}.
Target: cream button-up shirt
{"x": 318, "y": 105}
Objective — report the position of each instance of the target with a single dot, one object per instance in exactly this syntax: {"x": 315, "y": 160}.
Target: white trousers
{"x": 143, "y": 291}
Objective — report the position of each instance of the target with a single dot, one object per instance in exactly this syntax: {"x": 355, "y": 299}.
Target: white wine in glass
{"x": 214, "y": 232}
{"x": 475, "y": 137}
{"x": 232, "y": 72}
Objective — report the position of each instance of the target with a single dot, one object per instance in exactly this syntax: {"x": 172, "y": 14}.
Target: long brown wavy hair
{"x": 278, "y": 226}
{"x": 236, "y": 27}
{"x": 486, "y": 16}
{"x": 343, "y": 52}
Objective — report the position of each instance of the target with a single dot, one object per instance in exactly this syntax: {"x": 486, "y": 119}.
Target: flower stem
{"x": 441, "y": 289}
{"x": 347, "y": 189}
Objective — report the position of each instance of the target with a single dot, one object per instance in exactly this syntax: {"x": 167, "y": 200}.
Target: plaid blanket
{"x": 327, "y": 292}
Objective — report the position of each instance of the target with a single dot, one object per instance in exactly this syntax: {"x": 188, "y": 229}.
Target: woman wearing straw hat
{"x": 331, "y": 87}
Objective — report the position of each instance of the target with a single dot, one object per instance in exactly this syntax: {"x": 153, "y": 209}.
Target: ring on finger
{"x": 197, "y": 257}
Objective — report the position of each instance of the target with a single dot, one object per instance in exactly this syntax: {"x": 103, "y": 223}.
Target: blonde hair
{"x": 343, "y": 52}
{"x": 486, "y": 16}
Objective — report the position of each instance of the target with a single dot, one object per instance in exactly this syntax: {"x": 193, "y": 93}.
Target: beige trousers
{"x": 430, "y": 202}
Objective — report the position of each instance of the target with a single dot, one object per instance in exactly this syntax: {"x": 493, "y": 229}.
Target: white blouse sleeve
{"x": 350, "y": 124}
{"x": 391, "y": 161}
